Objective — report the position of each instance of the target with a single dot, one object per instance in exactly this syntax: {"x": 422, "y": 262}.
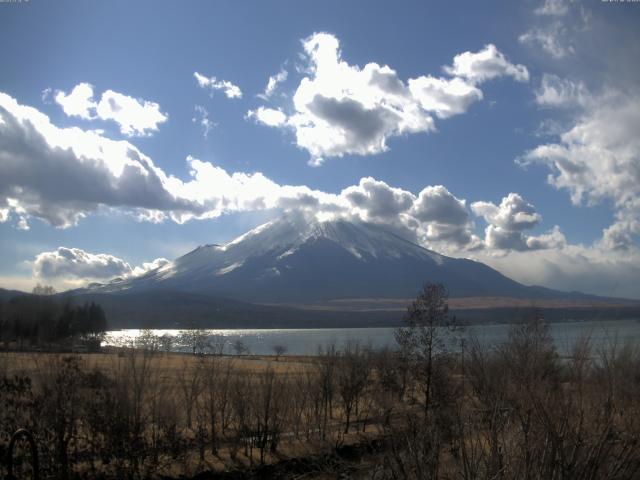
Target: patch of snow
{"x": 229, "y": 268}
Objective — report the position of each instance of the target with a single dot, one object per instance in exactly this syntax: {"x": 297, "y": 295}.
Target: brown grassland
{"x": 424, "y": 410}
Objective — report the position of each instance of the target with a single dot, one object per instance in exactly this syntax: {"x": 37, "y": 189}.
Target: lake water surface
{"x": 308, "y": 341}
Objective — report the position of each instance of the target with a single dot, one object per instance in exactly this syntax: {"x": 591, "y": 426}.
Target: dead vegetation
{"x": 426, "y": 410}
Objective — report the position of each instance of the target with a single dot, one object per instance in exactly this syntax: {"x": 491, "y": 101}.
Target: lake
{"x": 307, "y": 341}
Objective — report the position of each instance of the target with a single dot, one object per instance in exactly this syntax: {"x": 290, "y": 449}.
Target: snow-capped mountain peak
{"x": 292, "y": 259}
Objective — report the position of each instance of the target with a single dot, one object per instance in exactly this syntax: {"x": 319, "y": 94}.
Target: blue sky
{"x": 496, "y": 157}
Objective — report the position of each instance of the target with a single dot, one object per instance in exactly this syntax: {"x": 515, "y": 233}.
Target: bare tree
{"x": 268, "y": 412}
{"x": 147, "y": 340}
{"x": 166, "y": 343}
{"x": 424, "y": 336}
{"x": 43, "y": 290}
{"x": 59, "y": 404}
{"x": 240, "y": 348}
{"x": 279, "y": 350}
{"x": 326, "y": 365}
{"x": 191, "y": 384}
{"x": 352, "y": 378}
{"x": 216, "y": 375}
{"x": 195, "y": 339}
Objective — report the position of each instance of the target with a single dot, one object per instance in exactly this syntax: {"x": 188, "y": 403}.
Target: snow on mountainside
{"x": 290, "y": 260}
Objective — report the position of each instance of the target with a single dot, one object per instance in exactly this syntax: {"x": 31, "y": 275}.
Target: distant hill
{"x": 167, "y": 309}
{"x": 174, "y": 309}
{"x": 171, "y": 309}
{"x": 9, "y": 294}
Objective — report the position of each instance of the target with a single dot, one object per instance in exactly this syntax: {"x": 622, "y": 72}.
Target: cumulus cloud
{"x": 513, "y": 213}
{"x": 272, "y": 84}
{"x": 594, "y": 153}
{"x": 212, "y": 83}
{"x": 341, "y": 109}
{"x": 378, "y": 200}
{"x": 135, "y": 117}
{"x": 446, "y": 216}
{"x": 79, "y": 102}
{"x": 147, "y": 267}
{"x": 622, "y": 234}
{"x": 60, "y": 175}
{"x": 484, "y": 65}
{"x": 444, "y": 97}
{"x": 508, "y": 221}
{"x": 598, "y": 159}
{"x": 76, "y": 264}
{"x": 434, "y": 218}
{"x": 268, "y": 116}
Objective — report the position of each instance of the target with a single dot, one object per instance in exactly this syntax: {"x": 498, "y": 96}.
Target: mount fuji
{"x": 294, "y": 261}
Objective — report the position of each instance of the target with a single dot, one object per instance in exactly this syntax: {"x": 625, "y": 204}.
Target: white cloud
{"x": 202, "y": 119}
{"x": 507, "y": 223}
{"x": 135, "y": 117}
{"x": 598, "y": 158}
{"x": 622, "y": 234}
{"x": 79, "y": 102}
{"x": 212, "y": 83}
{"x": 574, "y": 267}
{"x": 76, "y": 263}
{"x": 553, "y": 239}
{"x": 434, "y": 217}
{"x": 147, "y": 267}
{"x": 268, "y": 116}
{"x": 446, "y": 216}
{"x": 559, "y": 92}
{"x": 484, "y": 65}
{"x": 553, "y": 28}
{"x": 444, "y": 97}
{"x": 272, "y": 84}
{"x": 375, "y": 201}
{"x": 61, "y": 175}
{"x": 550, "y": 39}
{"x": 79, "y": 266}
{"x": 341, "y": 109}
{"x": 513, "y": 213}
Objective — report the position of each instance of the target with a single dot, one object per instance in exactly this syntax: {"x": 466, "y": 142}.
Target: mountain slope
{"x": 6, "y": 295}
{"x": 298, "y": 261}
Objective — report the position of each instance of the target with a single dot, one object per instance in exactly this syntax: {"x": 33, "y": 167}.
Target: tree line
{"x": 44, "y": 320}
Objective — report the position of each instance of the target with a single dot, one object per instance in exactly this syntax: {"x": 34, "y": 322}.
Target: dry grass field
{"x": 169, "y": 365}
{"x": 420, "y": 412}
